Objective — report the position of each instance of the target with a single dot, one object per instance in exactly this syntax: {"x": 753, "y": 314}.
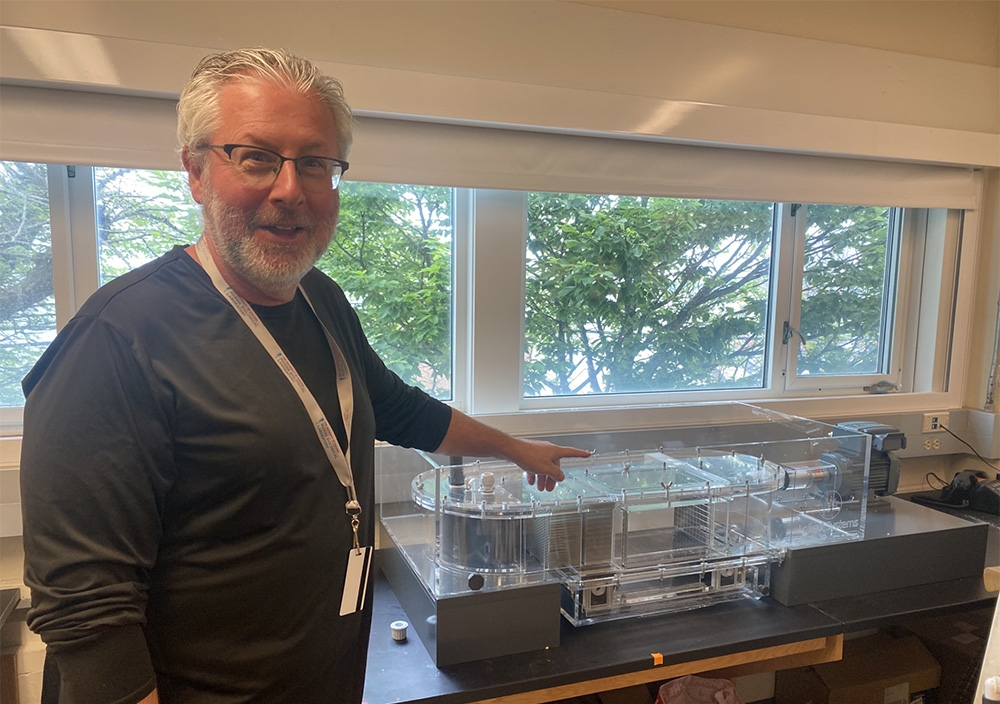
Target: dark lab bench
{"x": 600, "y": 657}
{"x": 885, "y": 608}
{"x": 9, "y": 600}
{"x": 728, "y": 639}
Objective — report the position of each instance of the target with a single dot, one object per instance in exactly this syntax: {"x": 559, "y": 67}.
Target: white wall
{"x": 958, "y": 30}
{"x": 555, "y": 65}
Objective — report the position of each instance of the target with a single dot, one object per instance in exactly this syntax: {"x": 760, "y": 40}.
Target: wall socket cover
{"x": 933, "y": 422}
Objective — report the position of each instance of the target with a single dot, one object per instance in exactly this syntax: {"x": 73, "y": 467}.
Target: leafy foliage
{"x": 141, "y": 215}
{"x": 627, "y": 294}
{"x": 623, "y": 294}
{"x": 392, "y": 256}
{"x": 27, "y": 304}
{"x": 843, "y": 288}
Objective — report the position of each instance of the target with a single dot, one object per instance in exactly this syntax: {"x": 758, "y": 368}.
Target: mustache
{"x": 276, "y": 217}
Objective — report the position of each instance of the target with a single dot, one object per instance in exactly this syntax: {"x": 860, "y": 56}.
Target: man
{"x": 197, "y": 465}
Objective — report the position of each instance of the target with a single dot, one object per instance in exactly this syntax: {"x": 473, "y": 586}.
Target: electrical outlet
{"x": 934, "y": 421}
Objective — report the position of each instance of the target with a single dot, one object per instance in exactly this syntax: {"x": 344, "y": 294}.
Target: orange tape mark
{"x": 657, "y": 658}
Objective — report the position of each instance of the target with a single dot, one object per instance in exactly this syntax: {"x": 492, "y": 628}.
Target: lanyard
{"x": 341, "y": 463}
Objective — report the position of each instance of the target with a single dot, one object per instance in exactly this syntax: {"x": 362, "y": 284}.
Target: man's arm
{"x": 94, "y": 472}
{"x": 539, "y": 459}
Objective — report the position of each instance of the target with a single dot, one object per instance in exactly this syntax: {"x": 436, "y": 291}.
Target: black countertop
{"x": 404, "y": 672}
{"x": 9, "y": 599}
{"x": 883, "y": 608}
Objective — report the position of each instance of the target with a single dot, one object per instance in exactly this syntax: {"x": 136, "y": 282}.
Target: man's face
{"x": 267, "y": 237}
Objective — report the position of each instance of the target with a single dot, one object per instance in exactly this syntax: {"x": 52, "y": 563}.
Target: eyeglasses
{"x": 260, "y": 167}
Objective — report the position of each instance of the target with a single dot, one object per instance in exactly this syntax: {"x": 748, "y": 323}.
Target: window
{"x": 500, "y": 301}
{"x": 393, "y": 257}
{"x": 27, "y": 303}
{"x": 626, "y": 294}
{"x": 141, "y": 215}
{"x": 844, "y": 290}
{"x": 842, "y": 318}
{"x": 479, "y": 286}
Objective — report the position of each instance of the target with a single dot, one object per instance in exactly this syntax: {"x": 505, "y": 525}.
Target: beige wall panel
{"x": 566, "y": 45}
{"x": 957, "y": 30}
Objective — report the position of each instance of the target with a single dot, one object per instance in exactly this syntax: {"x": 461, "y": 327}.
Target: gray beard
{"x": 273, "y": 268}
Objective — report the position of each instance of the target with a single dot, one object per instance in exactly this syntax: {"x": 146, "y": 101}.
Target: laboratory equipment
{"x": 654, "y": 521}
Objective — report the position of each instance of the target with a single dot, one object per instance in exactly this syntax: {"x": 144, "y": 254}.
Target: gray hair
{"x": 198, "y": 107}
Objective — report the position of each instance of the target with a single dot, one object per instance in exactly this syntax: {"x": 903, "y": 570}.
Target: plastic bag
{"x": 692, "y": 689}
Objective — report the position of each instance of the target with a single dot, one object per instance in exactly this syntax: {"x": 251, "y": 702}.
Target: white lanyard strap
{"x": 341, "y": 463}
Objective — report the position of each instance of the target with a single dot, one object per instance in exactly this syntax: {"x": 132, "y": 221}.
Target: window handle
{"x": 788, "y": 331}
{"x": 883, "y": 386}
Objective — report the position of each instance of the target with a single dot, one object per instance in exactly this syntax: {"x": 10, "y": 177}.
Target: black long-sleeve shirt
{"x": 183, "y": 527}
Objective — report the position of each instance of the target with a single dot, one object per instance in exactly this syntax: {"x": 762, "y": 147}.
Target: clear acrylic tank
{"x": 655, "y": 521}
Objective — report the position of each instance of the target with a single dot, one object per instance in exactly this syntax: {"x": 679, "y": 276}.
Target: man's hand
{"x": 539, "y": 459}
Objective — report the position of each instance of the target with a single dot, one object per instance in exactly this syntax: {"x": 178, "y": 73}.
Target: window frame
{"x": 495, "y": 389}
{"x": 899, "y": 264}
{"x": 75, "y": 268}
{"x": 76, "y": 273}
{"x": 490, "y": 230}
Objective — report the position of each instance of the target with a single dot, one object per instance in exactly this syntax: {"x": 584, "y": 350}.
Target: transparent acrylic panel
{"x": 692, "y": 519}
{"x": 27, "y": 300}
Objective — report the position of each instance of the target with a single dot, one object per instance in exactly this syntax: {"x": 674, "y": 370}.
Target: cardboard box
{"x": 958, "y": 642}
{"x": 877, "y": 669}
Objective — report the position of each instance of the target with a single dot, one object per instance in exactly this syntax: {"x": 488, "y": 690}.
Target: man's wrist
{"x": 112, "y": 667}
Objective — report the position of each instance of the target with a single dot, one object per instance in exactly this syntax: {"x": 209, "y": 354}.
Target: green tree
{"x": 141, "y": 215}
{"x": 629, "y": 294}
{"x": 393, "y": 257}
{"x": 27, "y": 305}
{"x": 843, "y": 288}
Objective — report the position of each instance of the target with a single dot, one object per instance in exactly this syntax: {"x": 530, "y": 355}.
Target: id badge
{"x": 356, "y": 582}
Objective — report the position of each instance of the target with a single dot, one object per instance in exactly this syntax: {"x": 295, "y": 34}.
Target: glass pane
{"x": 844, "y": 284}
{"x": 393, "y": 257}
{"x": 630, "y": 294}
{"x": 140, "y": 215}
{"x": 27, "y": 303}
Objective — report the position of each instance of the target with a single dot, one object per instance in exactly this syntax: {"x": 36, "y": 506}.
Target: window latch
{"x": 788, "y": 331}
{"x": 883, "y": 386}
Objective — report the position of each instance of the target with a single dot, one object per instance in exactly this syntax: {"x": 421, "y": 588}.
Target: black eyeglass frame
{"x": 228, "y": 149}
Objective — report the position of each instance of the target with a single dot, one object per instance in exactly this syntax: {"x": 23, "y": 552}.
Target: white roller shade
{"x": 427, "y": 153}
{"x": 65, "y": 126}
{"x": 87, "y": 129}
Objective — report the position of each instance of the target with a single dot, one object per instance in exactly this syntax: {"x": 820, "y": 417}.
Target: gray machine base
{"x": 905, "y": 545}
{"x": 476, "y": 625}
